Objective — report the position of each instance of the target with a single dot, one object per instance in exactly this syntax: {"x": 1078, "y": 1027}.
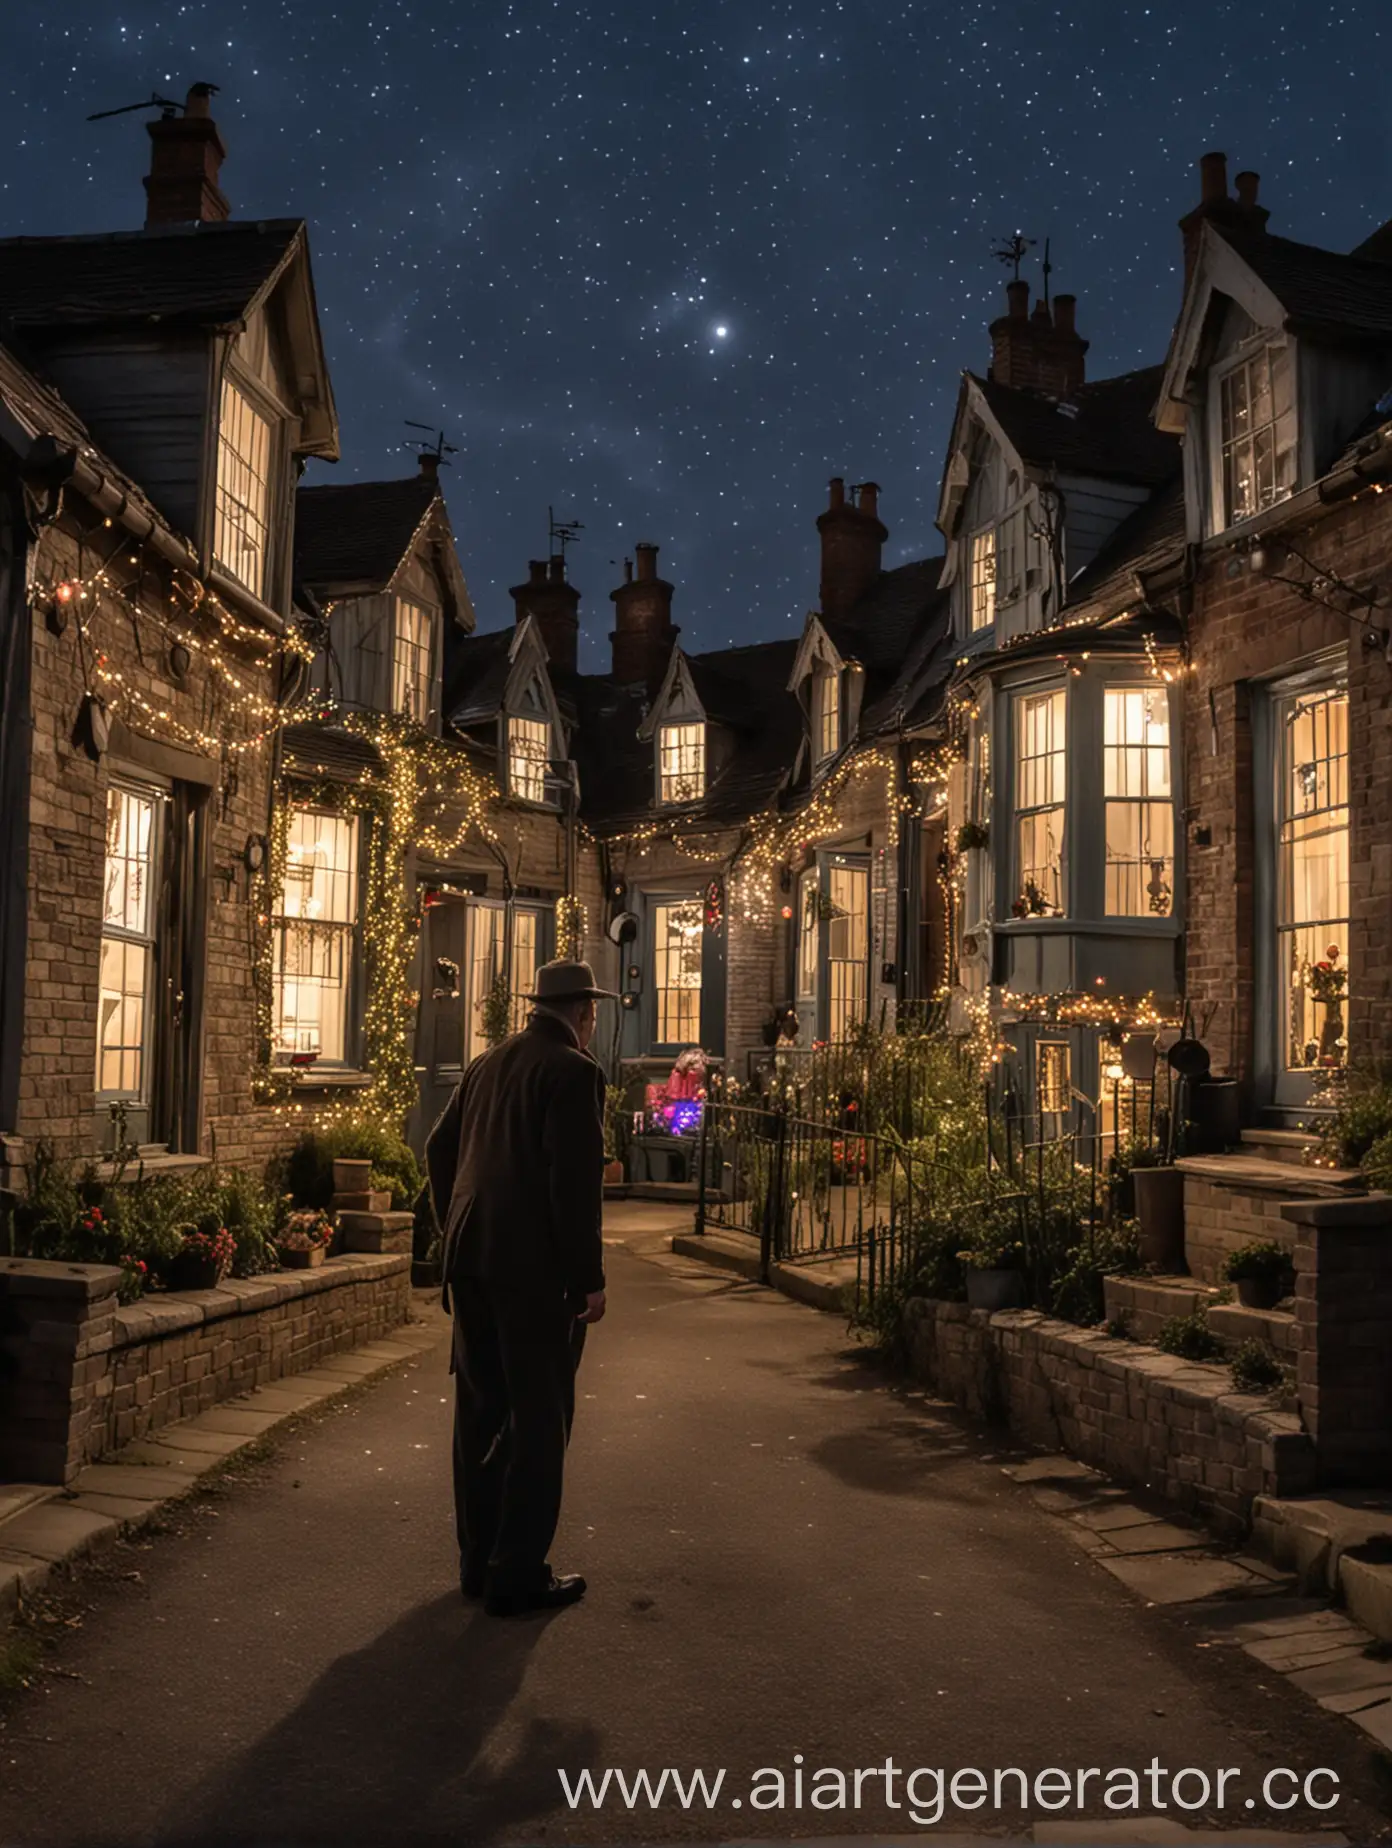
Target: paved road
{"x": 786, "y": 1555}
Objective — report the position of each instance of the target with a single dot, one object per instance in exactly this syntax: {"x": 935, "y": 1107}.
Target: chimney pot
{"x": 1247, "y": 185}
{"x": 838, "y": 492}
{"x": 852, "y": 535}
{"x": 429, "y": 465}
{"x": 870, "y": 498}
{"x": 186, "y": 156}
{"x": 628, "y": 571}
{"x": 1213, "y": 177}
{"x": 1040, "y": 316}
{"x": 553, "y": 604}
{"x": 647, "y": 559}
{"x": 1017, "y": 299}
{"x": 644, "y": 633}
{"x": 1065, "y": 308}
{"x": 536, "y": 570}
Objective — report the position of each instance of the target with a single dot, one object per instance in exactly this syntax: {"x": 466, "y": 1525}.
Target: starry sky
{"x": 667, "y": 267}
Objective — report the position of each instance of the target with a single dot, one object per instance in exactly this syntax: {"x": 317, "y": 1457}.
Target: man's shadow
{"x": 380, "y": 1750}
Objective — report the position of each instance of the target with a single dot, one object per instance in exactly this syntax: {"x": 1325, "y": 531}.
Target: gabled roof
{"x": 888, "y": 620}
{"x": 207, "y": 275}
{"x": 1322, "y": 291}
{"x": 1104, "y": 430}
{"x": 476, "y": 677}
{"x": 1146, "y": 542}
{"x": 358, "y": 532}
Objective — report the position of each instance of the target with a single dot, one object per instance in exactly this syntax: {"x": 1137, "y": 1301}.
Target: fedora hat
{"x": 568, "y": 981}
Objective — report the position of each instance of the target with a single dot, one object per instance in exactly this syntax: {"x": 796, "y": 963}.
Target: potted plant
{"x": 995, "y": 1261}
{"x": 306, "y": 1238}
{"x": 1263, "y": 1272}
{"x": 203, "y": 1259}
{"x": 972, "y": 834}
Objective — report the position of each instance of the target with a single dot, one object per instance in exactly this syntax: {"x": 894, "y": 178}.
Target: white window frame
{"x": 141, "y": 939}
{"x": 682, "y": 1010}
{"x": 826, "y": 712}
{"x": 1258, "y": 349}
{"x": 1161, "y": 798}
{"x": 847, "y": 937}
{"x": 981, "y": 580}
{"x": 316, "y": 935}
{"x": 529, "y": 758}
{"x": 1023, "y": 811}
{"x": 681, "y": 762}
{"x": 246, "y": 468}
{"x": 413, "y": 659}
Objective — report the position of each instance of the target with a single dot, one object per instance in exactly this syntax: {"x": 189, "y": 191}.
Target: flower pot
{"x": 1258, "y": 1292}
{"x": 996, "y": 1289}
{"x": 613, "y": 1173}
{"x": 352, "y": 1176}
{"x": 189, "y": 1271}
{"x": 1160, "y": 1209}
{"x": 303, "y": 1260}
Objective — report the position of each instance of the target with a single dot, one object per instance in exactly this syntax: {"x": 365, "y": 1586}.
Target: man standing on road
{"x": 516, "y": 1167}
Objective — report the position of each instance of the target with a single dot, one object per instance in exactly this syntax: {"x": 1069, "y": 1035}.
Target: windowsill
{"x": 1054, "y": 927}
{"x": 325, "y": 1078}
{"x": 1252, "y": 524}
{"x": 233, "y": 590}
{"x": 139, "y": 1166}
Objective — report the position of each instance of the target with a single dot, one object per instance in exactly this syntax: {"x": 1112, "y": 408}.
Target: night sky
{"x": 668, "y": 266}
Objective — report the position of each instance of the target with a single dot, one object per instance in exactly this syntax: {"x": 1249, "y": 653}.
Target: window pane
{"x": 528, "y": 756}
{"x": 486, "y": 947}
{"x": 848, "y": 949}
{"x": 1040, "y": 791}
{"x": 524, "y": 964}
{"x": 130, "y": 836}
{"x": 243, "y": 490}
{"x": 827, "y": 687}
{"x": 1140, "y": 831}
{"x": 411, "y": 661}
{"x": 677, "y": 937}
{"x": 321, "y": 868}
{"x": 312, "y": 968}
{"x": 682, "y": 763}
{"x": 809, "y": 932}
{"x": 1313, "y": 884}
{"x": 1257, "y": 419}
{"x": 1054, "y": 1076}
{"x": 982, "y": 586}
{"x": 121, "y": 1017}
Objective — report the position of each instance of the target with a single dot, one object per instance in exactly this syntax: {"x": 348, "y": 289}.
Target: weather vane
{"x": 561, "y": 532}
{"x": 1014, "y": 250}
{"x": 439, "y": 448}
{"x": 167, "y": 107}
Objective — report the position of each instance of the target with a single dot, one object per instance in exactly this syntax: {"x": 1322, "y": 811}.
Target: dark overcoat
{"x": 516, "y": 1166}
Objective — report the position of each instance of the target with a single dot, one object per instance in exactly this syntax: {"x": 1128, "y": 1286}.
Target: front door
{"x": 833, "y": 949}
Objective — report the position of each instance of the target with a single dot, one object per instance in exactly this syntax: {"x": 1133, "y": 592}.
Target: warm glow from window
{"x": 411, "y": 661}
{"x": 847, "y": 949}
{"x": 682, "y": 763}
{"x": 1054, "y": 1076}
{"x": 1313, "y": 879}
{"x": 678, "y": 928}
{"x": 1257, "y": 414}
{"x": 528, "y": 754}
{"x": 982, "y": 582}
{"x": 127, "y": 946}
{"x": 1140, "y": 806}
{"x": 314, "y": 935}
{"x": 243, "y": 490}
{"x": 826, "y": 687}
{"x": 1041, "y": 738}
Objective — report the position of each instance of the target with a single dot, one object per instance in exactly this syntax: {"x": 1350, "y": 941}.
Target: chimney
{"x": 554, "y": 602}
{"x": 644, "y": 633}
{"x": 1219, "y": 207}
{"x": 429, "y": 465}
{"x": 852, "y": 534}
{"x": 186, "y": 156}
{"x": 1040, "y": 352}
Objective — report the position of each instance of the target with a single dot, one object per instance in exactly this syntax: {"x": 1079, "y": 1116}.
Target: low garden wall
{"x": 81, "y": 1375}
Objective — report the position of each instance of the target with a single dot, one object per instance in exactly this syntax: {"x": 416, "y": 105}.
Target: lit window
{"x": 127, "y": 943}
{"x": 826, "y": 698}
{"x": 411, "y": 661}
{"x": 487, "y": 967}
{"x": 315, "y": 934}
{"x": 682, "y": 763}
{"x": 1257, "y": 414}
{"x": 982, "y": 584}
{"x": 809, "y": 933}
{"x": 1054, "y": 1077}
{"x": 243, "y": 490}
{"x": 848, "y": 949}
{"x": 528, "y": 755}
{"x": 677, "y": 933}
{"x": 525, "y": 929}
{"x": 1140, "y": 809}
{"x": 1040, "y": 782}
{"x": 1313, "y": 879}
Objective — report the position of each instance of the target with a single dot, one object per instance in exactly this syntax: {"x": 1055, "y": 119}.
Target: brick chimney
{"x": 553, "y": 600}
{"x": 1040, "y": 352}
{"x": 1216, "y": 204}
{"x": 644, "y": 633}
{"x": 186, "y": 156}
{"x": 429, "y": 466}
{"x": 852, "y": 534}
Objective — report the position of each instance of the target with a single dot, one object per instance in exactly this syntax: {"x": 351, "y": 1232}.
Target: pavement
{"x": 788, "y": 1554}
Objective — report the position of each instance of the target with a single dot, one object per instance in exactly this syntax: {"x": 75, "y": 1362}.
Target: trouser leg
{"x": 480, "y": 1425}
{"x": 538, "y": 1355}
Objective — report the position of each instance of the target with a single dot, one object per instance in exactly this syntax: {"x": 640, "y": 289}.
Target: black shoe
{"x": 471, "y": 1586}
{"x": 554, "y": 1595}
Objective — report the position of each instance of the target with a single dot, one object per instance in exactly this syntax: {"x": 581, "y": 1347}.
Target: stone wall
{"x": 1170, "y": 1426}
{"x": 1219, "y": 1220}
{"x": 81, "y": 1375}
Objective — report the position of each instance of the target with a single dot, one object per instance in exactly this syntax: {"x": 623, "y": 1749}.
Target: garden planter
{"x": 1258, "y": 1292}
{"x": 303, "y": 1260}
{"x": 1160, "y": 1209}
{"x": 190, "y": 1272}
{"x": 613, "y": 1173}
{"x": 996, "y": 1289}
{"x": 352, "y": 1177}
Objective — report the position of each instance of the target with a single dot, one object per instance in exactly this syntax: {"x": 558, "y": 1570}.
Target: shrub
{"x": 1362, "y": 1120}
{"x": 995, "y": 1228}
{"x": 308, "y": 1168}
{"x": 1262, "y": 1262}
{"x": 1255, "y": 1368}
{"x": 1189, "y": 1336}
{"x": 1078, "y": 1294}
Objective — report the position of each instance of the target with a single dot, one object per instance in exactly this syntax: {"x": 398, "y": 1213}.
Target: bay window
{"x": 528, "y": 756}
{"x": 1041, "y": 739}
{"x": 242, "y": 514}
{"x": 678, "y": 929}
{"x": 981, "y": 580}
{"x": 1139, "y": 802}
{"x": 129, "y": 923}
{"x": 1256, "y": 431}
{"x": 411, "y": 661}
{"x": 316, "y": 936}
{"x": 682, "y": 762}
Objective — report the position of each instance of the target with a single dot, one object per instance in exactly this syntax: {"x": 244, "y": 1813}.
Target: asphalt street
{"x": 787, "y": 1554}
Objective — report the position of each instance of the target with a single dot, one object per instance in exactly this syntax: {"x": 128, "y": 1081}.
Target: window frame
{"x": 1259, "y": 345}
{"x": 676, "y": 777}
{"x": 982, "y": 595}
{"x": 1161, "y": 691}
{"x": 1020, "y": 812}
{"x": 659, "y": 904}
{"x": 349, "y": 932}
{"x": 521, "y": 788}
{"x": 408, "y": 656}
{"x": 261, "y": 408}
{"x": 147, "y": 938}
{"x": 827, "y": 714}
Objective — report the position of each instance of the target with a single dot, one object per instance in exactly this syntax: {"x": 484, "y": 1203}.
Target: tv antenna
{"x": 561, "y": 532}
{"x": 167, "y": 107}
{"x": 439, "y": 448}
{"x": 1048, "y": 270}
{"x": 1013, "y": 251}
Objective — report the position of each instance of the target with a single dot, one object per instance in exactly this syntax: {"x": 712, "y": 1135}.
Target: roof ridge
{"x": 159, "y": 233}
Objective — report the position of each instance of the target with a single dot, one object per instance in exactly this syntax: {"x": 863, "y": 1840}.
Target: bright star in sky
{"x": 721, "y": 332}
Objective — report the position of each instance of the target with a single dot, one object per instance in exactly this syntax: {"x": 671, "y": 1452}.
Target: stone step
{"x": 376, "y": 1232}
{"x": 373, "y": 1202}
{"x": 1234, "y": 1324}
{"x": 1147, "y": 1303}
{"x": 1295, "y": 1147}
{"x": 1259, "y": 1174}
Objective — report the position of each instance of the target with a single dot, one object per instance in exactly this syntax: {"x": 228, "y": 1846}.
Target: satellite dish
{"x": 622, "y": 927}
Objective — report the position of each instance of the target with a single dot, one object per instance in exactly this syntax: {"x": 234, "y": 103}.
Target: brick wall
{"x": 85, "y": 1375}
{"x": 1218, "y": 1220}
{"x": 1243, "y": 628}
{"x": 1174, "y": 1427}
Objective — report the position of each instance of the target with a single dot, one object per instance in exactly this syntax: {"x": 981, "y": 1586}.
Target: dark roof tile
{"x": 359, "y": 532}
{"x": 1104, "y": 430}
{"x": 1321, "y": 290}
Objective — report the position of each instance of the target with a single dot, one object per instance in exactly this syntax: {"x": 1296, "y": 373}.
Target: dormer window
{"x": 411, "y": 667}
{"x": 242, "y": 524}
{"x": 528, "y": 754}
{"x": 682, "y": 762}
{"x": 826, "y": 713}
{"x": 981, "y": 582}
{"x": 1256, "y": 418}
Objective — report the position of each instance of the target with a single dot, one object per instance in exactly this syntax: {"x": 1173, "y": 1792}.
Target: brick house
{"x": 158, "y": 390}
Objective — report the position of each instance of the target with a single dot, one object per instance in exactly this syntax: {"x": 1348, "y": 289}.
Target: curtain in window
{"x": 315, "y": 935}
{"x": 1139, "y": 802}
